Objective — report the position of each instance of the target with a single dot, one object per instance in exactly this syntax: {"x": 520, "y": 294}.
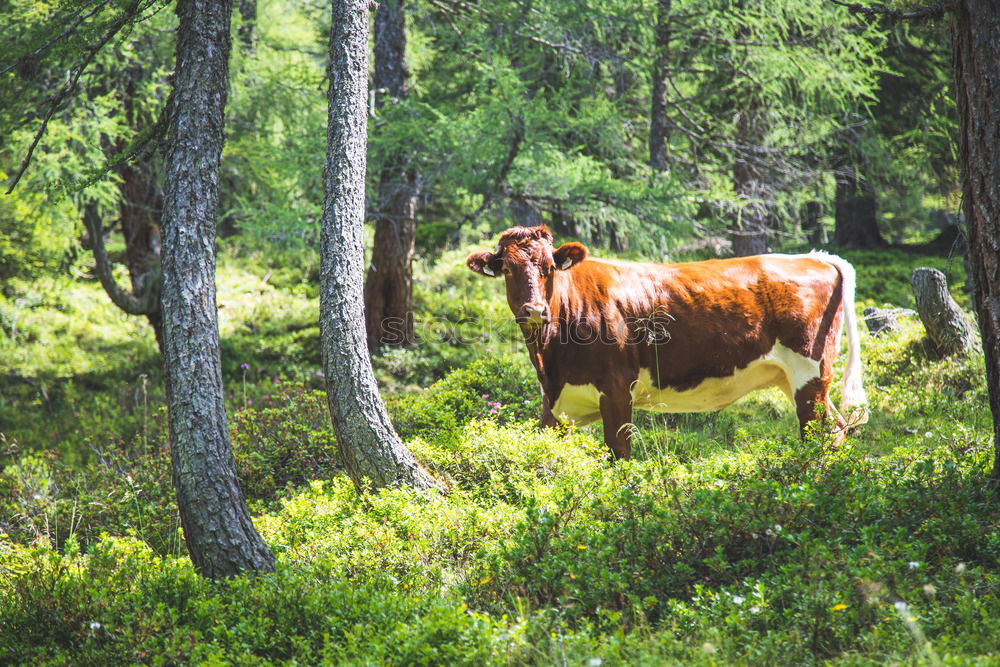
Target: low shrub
{"x": 286, "y": 439}
{"x": 499, "y": 387}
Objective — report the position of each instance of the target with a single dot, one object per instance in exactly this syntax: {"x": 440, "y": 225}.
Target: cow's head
{"x": 528, "y": 262}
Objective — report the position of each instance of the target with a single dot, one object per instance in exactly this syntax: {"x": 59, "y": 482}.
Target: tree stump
{"x": 947, "y": 326}
{"x": 880, "y": 320}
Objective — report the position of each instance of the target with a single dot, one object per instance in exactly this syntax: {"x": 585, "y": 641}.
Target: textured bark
{"x": 855, "y": 213}
{"x": 366, "y": 440}
{"x": 946, "y": 325}
{"x": 389, "y": 287}
{"x": 976, "y": 44}
{"x": 217, "y": 527}
{"x": 658, "y": 108}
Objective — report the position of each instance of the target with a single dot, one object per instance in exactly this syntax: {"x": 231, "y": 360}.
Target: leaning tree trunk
{"x": 389, "y": 288}
{"x": 366, "y": 440}
{"x": 944, "y": 321}
{"x": 976, "y": 44}
{"x": 658, "y": 106}
{"x": 217, "y": 527}
{"x": 856, "y": 220}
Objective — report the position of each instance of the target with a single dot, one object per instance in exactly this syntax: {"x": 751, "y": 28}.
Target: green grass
{"x": 727, "y": 540}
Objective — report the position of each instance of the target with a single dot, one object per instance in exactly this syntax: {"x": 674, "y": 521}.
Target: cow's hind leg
{"x": 616, "y": 413}
{"x": 812, "y": 404}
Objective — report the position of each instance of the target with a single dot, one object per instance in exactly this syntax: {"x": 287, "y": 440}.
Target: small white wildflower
{"x": 595, "y": 662}
{"x": 914, "y": 564}
{"x": 738, "y": 599}
{"x": 928, "y": 434}
{"x": 960, "y": 568}
{"x": 769, "y": 532}
{"x": 899, "y": 605}
{"x": 95, "y": 625}
{"x": 755, "y": 609}
{"x": 777, "y": 527}
{"x": 929, "y": 589}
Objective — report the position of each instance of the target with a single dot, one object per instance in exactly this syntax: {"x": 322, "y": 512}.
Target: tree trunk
{"x": 749, "y": 230}
{"x": 247, "y": 30}
{"x": 658, "y": 108}
{"x": 389, "y": 288}
{"x": 976, "y": 44}
{"x": 810, "y": 224}
{"x": 217, "y": 527}
{"x": 366, "y": 440}
{"x": 139, "y": 209}
{"x": 855, "y": 214}
{"x": 944, "y": 321}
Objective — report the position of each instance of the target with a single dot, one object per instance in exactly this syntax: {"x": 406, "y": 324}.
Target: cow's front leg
{"x": 548, "y": 419}
{"x": 616, "y": 413}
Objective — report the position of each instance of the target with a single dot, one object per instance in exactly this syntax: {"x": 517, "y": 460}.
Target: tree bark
{"x": 389, "y": 288}
{"x": 855, "y": 213}
{"x": 217, "y": 527}
{"x": 976, "y": 43}
{"x": 658, "y": 107}
{"x": 944, "y": 321}
{"x": 366, "y": 440}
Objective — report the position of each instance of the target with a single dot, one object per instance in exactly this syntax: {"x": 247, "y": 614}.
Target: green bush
{"x": 498, "y": 387}
{"x": 286, "y": 439}
{"x": 120, "y": 604}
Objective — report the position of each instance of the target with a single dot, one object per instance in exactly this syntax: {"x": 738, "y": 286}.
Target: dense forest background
{"x": 664, "y": 130}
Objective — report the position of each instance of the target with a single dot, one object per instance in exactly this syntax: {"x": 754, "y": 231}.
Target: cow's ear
{"x": 569, "y": 255}
{"x": 485, "y": 262}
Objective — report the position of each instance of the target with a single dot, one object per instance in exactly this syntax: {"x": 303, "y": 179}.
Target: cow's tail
{"x": 852, "y": 397}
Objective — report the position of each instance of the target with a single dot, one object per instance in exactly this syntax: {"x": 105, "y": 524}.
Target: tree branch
{"x": 130, "y": 303}
{"x": 64, "y": 34}
{"x": 517, "y": 137}
{"x": 933, "y": 11}
{"x": 130, "y": 12}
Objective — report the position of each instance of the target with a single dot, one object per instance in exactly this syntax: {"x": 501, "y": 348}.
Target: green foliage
{"x": 121, "y": 604}
{"x": 502, "y": 388}
{"x": 884, "y": 275}
{"x": 286, "y": 439}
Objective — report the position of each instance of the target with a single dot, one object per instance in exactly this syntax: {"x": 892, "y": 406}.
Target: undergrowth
{"x": 726, "y": 540}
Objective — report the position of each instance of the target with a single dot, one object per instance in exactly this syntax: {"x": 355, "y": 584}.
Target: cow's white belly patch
{"x": 781, "y": 367}
{"x": 578, "y": 403}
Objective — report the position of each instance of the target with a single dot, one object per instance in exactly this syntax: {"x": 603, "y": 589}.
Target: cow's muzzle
{"x": 534, "y": 314}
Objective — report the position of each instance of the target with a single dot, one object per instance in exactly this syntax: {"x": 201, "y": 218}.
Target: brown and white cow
{"x": 608, "y": 336}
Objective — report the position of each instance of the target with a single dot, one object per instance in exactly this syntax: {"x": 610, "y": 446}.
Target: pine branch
{"x": 63, "y": 35}
{"x": 933, "y": 11}
{"x": 117, "y": 25}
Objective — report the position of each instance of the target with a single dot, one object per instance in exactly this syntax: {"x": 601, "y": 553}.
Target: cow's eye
{"x": 506, "y": 271}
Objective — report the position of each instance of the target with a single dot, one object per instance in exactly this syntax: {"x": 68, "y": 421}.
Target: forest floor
{"x": 727, "y": 540}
